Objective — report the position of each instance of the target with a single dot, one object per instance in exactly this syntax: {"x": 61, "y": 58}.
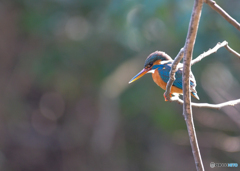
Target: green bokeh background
{"x": 65, "y": 102}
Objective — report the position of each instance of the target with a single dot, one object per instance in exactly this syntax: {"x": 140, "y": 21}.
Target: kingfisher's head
{"x": 152, "y": 60}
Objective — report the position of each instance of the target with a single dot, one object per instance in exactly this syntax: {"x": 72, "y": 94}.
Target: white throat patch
{"x": 151, "y": 71}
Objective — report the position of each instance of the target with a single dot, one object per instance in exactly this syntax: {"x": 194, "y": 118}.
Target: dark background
{"x": 65, "y": 101}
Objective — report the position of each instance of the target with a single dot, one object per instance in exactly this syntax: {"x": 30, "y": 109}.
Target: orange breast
{"x": 158, "y": 80}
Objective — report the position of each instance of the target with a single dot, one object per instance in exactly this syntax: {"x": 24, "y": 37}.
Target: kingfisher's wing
{"x": 164, "y": 73}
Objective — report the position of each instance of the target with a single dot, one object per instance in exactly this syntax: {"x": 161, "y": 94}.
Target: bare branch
{"x": 232, "y": 51}
{"x": 190, "y": 41}
{"x": 172, "y": 74}
{"x": 179, "y": 57}
{"x": 214, "y": 50}
{"x": 207, "y": 105}
{"x": 223, "y": 13}
{"x": 187, "y": 108}
{"x": 209, "y": 52}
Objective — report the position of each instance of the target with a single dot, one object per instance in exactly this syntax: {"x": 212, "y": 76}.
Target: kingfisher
{"x": 159, "y": 64}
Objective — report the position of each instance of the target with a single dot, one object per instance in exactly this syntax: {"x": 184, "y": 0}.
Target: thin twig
{"x": 207, "y": 105}
{"x": 209, "y": 52}
{"x": 172, "y": 78}
{"x": 232, "y": 51}
{"x": 223, "y": 13}
{"x": 214, "y": 50}
{"x": 187, "y": 108}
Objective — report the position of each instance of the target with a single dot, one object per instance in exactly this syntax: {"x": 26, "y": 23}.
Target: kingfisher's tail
{"x": 195, "y": 95}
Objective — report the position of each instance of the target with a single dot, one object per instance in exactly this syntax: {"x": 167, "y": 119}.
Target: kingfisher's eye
{"x": 149, "y": 65}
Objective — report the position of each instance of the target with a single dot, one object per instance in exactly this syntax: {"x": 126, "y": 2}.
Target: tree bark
{"x": 187, "y": 108}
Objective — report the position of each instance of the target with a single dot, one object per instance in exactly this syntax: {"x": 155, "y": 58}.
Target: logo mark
{"x": 212, "y": 164}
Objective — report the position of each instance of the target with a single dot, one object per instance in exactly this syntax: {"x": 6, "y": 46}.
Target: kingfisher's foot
{"x": 165, "y": 97}
{"x": 166, "y": 100}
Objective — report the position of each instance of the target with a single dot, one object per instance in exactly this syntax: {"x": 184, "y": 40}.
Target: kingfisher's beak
{"x": 139, "y": 75}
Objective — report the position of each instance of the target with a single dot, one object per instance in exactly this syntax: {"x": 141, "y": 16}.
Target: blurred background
{"x": 66, "y": 104}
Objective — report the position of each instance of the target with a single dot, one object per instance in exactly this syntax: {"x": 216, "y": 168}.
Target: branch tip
{"x": 223, "y": 13}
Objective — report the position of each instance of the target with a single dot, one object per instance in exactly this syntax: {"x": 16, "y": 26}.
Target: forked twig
{"x": 188, "y": 49}
{"x": 196, "y": 60}
{"x": 214, "y": 50}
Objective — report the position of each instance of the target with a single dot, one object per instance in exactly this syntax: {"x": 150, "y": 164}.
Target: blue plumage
{"x": 164, "y": 70}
